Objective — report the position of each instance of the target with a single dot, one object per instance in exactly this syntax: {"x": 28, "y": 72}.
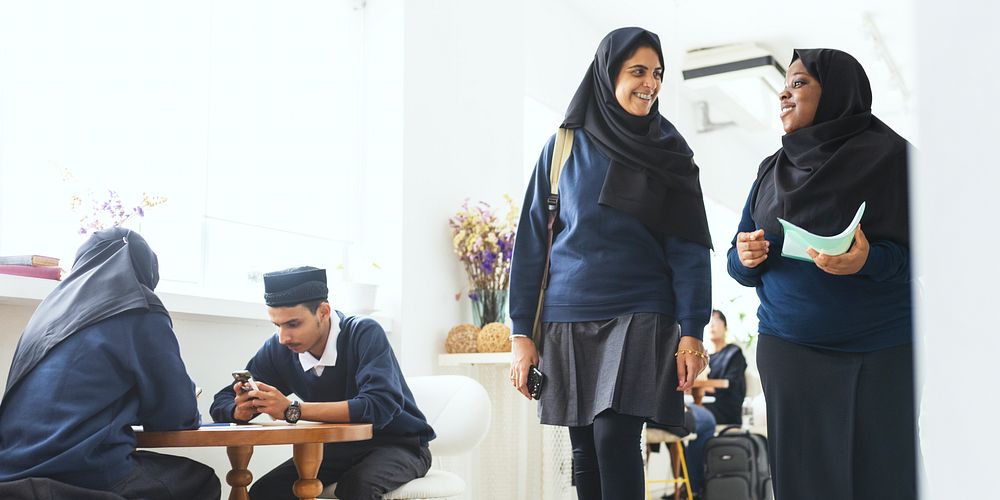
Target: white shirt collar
{"x": 329, "y": 357}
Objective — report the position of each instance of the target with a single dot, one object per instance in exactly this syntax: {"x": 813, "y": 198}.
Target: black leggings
{"x": 607, "y": 459}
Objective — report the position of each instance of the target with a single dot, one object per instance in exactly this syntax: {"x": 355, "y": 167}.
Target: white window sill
{"x": 24, "y": 291}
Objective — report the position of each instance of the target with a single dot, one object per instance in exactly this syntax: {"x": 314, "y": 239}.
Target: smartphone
{"x": 535, "y": 381}
{"x": 244, "y": 377}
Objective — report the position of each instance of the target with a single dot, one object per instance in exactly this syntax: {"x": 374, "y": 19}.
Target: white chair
{"x": 459, "y": 410}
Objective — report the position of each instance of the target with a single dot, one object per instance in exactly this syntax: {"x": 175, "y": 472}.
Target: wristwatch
{"x": 293, "y": 412}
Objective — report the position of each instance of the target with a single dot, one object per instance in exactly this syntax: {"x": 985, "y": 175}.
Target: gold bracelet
{"x": 700, "y": 354}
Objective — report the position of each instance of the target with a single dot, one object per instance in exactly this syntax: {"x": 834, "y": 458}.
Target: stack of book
{"x": 36, "y": 266}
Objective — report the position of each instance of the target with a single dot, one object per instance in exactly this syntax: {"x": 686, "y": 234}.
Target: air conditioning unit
{"x": 739, "y": 83}
{"x": 707, "y": 67}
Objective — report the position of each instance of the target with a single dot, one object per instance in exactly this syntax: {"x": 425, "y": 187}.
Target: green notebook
{"x": 797, "y": 240}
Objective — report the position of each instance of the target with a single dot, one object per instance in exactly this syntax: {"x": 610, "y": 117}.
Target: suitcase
{"x": 736, "y": 466}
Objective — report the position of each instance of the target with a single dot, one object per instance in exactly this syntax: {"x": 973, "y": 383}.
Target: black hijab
{"x": 652, "y": 175}
{"x": 114, "y": 271}
{"x": 823, "y": 172}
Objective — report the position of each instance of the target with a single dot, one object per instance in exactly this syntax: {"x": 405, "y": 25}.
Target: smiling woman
{"x": 800, "y": 98}
{"x": 629, "y": 270}
{"x": 857, "y": 340}
{"x": 639, "y": 80}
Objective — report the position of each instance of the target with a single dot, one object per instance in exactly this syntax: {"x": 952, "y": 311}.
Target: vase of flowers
{"x": 97, "y": 211}
{"x": 484, "y": 243}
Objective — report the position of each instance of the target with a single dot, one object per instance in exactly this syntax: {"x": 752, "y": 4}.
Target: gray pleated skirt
{"x": 626, "y": 364}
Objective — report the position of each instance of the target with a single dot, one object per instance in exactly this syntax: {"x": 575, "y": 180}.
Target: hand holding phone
{"x": 535, "y": 381}
{"x": 246, "y": 380}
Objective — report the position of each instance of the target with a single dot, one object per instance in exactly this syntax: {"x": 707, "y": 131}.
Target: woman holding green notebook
{"x": 835, "y": 352}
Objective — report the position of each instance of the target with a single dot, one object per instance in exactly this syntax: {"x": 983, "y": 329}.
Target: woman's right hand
{"x": 524, "y": 357}
{"x": 752, "y": 248}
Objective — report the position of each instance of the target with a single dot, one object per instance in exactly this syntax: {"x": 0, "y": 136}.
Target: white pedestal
{"x": 519, "y": 458}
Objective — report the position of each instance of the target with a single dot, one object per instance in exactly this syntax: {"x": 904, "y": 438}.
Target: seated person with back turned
{"x": 344, "y": 370}
{"x": 727, "y": 362}
{"x": 98, "y": 356}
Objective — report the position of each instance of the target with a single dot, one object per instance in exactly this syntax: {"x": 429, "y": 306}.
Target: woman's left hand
{"x": 689, "y": 365}
{"x": 846, "y": 263}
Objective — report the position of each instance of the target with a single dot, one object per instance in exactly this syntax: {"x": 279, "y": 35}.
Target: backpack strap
{"x": 560, "y": 155}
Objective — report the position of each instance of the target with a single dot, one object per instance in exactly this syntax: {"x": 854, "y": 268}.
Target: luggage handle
{"x": 731, "y": 427}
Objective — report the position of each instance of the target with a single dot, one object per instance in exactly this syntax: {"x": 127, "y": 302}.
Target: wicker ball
{"x": 462, "y": 338}
{"x": 494, "y": 337}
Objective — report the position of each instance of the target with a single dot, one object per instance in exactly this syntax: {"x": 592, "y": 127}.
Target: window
{"x": 245, "y": 116}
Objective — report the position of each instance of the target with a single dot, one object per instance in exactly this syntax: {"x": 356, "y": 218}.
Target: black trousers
{"x": 166, "y": 477}
{"x": 840, "y": 425}
{"x": 362, "y": 471}
{"x": 607, "y": 458}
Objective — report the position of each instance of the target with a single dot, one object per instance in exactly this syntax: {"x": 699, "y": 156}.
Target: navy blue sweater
{"x": 69, "y": 419}
{"x": 801, "y": 303}
{"x": 605, "y": 263}
{"x": 366, "y": 375}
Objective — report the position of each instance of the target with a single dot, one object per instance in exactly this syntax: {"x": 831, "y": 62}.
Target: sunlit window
{"x": 243, "y": 115}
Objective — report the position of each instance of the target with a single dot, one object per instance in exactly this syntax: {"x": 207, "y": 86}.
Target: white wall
{"x": 12, "y": 321}
{"x": 955, "y": 209}
{"x": 462, "y": 139}
{"x": 382, "y": 199}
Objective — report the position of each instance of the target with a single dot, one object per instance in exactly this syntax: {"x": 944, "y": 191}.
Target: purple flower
{"x": 474, "y": 296}
{"x": 488, "y": 260}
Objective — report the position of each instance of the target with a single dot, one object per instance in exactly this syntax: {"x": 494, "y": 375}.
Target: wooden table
{"x": 306, "y": 440}
{"x": 698, "y": 389}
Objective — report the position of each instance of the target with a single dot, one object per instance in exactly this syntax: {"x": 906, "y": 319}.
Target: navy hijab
{"x": 823, "y": 172}
{"x": 114, "y": 271}
{"x": 652, "y": 175}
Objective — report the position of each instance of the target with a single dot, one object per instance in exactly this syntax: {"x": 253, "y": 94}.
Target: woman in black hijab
{"x": 98, "y": 356}
{"x": 835, "y": 352}
{"x": 629, "y": 290}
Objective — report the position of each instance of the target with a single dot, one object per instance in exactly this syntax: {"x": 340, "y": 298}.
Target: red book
{"x": 51, "y": 273}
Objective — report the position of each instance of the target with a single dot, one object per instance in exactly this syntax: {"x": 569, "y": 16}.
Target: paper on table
{"x": 797, "y": 240}
{"x": 210, "y": 426}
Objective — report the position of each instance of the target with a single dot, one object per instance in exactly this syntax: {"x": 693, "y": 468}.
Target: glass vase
{"x": 489, "y": 305}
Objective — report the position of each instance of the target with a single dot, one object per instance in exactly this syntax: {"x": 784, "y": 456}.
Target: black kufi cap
{"x": 294, "y": 286}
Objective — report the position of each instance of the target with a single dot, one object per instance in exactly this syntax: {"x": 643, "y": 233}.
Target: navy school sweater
{"x": 605, "y": 263}
{"x": 801, "y": 303}
{"x": 70, "y": 418}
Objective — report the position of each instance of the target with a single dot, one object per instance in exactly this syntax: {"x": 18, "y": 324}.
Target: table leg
{"x": 698, "y": 394}
{"x": 307, "y": 457}
{"x": 239, "y": 477}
